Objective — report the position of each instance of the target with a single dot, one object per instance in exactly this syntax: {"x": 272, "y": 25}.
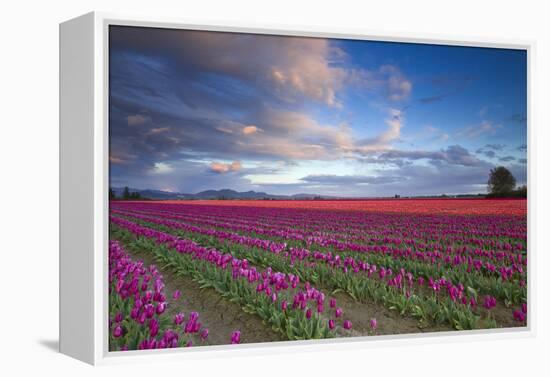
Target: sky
{"x": 197, "y": 110}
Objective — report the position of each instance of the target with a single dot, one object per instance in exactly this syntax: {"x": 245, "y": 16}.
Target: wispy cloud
{"x": 220, "y": 167}
{"x": 454, "y": 155}
{"x": 475, "y": 131}
{"x": 137, "y": 119}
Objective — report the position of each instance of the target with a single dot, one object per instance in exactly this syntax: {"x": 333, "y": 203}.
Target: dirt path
{"x": 389, "y": 321}
{"x": 219, "y": 315}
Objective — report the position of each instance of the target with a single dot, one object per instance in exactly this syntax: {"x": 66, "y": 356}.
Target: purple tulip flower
{"x": 117, "y": 332}
{"x": 236, "y": 337}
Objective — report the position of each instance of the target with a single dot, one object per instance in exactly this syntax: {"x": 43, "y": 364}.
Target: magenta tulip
{"x": 117, "y": 332}
{"x": 236, "y": 337}
{"x": 490, "y": 302}
{"x": 161, "y": 308}
{"x": 179, "y": 318}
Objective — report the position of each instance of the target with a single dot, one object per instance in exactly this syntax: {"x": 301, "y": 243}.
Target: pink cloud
{"x": 221, "y": 167}
{"x": 249, "y": 130}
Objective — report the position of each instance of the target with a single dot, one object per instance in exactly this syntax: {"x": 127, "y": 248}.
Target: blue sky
{"x": 194, "y": 110}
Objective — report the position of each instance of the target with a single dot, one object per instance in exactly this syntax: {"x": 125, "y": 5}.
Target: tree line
{"x": 126, "y": 194}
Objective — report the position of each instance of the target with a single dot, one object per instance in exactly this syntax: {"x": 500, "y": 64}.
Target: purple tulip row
{"x": 279, "y": 287}
{"x": 350, "y": 223}
{"x": 346, "y": 264}
{"x": 395, "y": 227}
{"x": 137, "y": 297}
{"x": 506, "y": 272}
{"x": 410, "y": 249}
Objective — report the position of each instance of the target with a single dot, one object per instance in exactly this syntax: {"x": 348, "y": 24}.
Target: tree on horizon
{"x": 501, "y": 182}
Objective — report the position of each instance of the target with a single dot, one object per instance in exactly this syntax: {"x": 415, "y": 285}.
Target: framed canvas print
{"x": 230, "y": 188}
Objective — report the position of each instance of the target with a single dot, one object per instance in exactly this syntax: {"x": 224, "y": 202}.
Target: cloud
{"x": 116, "y": 160}
{"x": 490, "y": 154}
{"x": 350, "y": 179}
{"x": 295, "y": 135}
{"x": 121, "y": 158}
{"x": 154, "y": 131}
{"x": 201, "y": 96}
{"x": 438, "y": 179}
{"x": 250, "y": 130}
{"x": 488, "y": 150}
{"x": 437, "y": 133}
{"x": 187, "y": 176}
{"x": 399, "y": 87}
{"x": 383, "y": 141}
{"x": 388, "y": 78}
{"x": 137, "y": 119}
{"x": 432, "y": 179}
{"x": 220, "y": 167}
{"x": 484, "y": 128}
{"x": 395, "y": 122}
{"x": 454, "y": 155}
{"x": 522, "y": 148}
{"x": 162, "y": 168}
{"x": 522, "y": 160}
{"x": 292, "y": 67}
{"x": 496, "y": 147}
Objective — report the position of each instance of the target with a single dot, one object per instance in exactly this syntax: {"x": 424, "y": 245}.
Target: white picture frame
{"x": 84, "y": 188}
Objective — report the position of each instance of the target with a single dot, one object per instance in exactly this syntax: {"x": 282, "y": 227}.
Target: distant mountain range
{"x": 213, "y": 194}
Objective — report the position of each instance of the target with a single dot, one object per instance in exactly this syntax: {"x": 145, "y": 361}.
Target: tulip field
{"x": 194, "y": 273}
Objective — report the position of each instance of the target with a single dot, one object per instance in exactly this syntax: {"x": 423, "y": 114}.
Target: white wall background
{"x": 29, "y": 181}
